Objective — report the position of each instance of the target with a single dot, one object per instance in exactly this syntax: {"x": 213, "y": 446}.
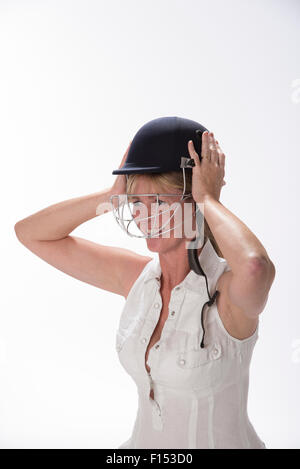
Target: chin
{"x": 161, "y": 244}
{"x": 155, "y": 244}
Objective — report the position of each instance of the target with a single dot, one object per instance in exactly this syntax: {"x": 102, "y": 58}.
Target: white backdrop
{"x": 78, "y": 79}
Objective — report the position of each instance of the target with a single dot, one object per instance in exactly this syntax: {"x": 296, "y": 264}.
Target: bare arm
{"x": 47, "y": 234}
{"x": 57, "y": 221}
{"x": 244, "y": 290}
{"x": 252, "y": 271}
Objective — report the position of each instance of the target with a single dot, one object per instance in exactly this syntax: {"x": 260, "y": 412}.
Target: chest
{"x": 163, "y": 315}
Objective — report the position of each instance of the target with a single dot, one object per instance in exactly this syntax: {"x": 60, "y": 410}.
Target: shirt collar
{"x": 208, "y": 259}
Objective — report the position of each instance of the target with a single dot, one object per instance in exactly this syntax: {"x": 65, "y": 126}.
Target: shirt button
{"x": 182, "y": 361}
{"x": 156, "y": 305}
{"x": 156, "y": 346}
{"x": 172, "y": 313}
{"x": 177, "y": 288}
{"x": 144, "y": 340}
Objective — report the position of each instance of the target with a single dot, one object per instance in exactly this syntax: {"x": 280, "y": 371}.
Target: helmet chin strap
{"x": 196, "y": 267}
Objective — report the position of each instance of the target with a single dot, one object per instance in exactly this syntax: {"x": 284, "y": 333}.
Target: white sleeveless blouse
{"x": 200, "y": 394}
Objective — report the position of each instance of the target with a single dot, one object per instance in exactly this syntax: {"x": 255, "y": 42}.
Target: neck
{"x": 175, "y": 266}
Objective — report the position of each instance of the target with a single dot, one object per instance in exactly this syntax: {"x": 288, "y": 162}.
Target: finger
{"x": 221, "y": 155}
{"x": 205, "y": 149}
{"x": 218, "y": 146}
{"x": 193, "y": 153}
{"x": 213, "y": 149}
{"x": 222, "y": 160}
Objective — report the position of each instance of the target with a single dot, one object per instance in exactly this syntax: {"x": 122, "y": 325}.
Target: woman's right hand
{"x": 119, "y": 186}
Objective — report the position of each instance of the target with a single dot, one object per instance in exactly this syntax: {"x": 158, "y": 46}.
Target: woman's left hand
{"x": 208, "y": 175}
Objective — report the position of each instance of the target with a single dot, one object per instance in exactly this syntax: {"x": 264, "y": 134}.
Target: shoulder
{"x": 235, "y": 321}
{"x": 134, "y": 271}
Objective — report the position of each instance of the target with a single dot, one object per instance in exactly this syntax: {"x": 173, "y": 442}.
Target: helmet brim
{"x": 138, "y": 169}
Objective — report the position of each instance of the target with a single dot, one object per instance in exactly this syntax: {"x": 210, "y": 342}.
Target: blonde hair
{"x": 170, "y": 181}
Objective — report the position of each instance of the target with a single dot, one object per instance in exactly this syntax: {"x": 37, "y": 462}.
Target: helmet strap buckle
{"x": 187, "y": 162}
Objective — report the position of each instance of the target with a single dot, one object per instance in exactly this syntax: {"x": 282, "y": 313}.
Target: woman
{"x": 191, "y": 395}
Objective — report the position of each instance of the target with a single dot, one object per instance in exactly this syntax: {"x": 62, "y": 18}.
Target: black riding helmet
{"x": 160, "y": 146}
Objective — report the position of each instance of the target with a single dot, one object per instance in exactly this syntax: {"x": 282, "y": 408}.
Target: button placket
{"x": 175, "y": 303}
{"x": 154, "y": 352}
{"x": 216, "y": 351}
{"x": 157, "y": 420}
{"x": 147, "y": 331}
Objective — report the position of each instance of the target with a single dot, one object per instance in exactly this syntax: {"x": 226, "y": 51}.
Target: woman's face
{"x": 171, "y": 214}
